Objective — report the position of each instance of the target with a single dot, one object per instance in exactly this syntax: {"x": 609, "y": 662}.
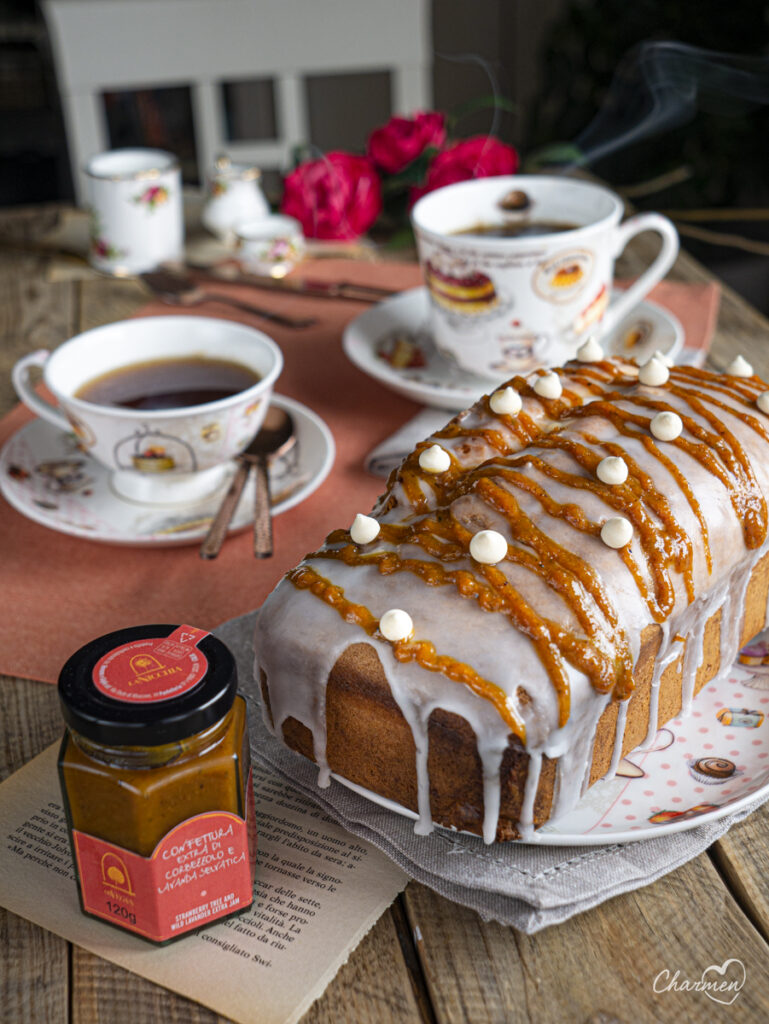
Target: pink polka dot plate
{"x": 698, "y": 768}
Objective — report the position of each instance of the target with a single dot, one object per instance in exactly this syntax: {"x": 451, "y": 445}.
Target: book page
{"x": 318, "y": 891}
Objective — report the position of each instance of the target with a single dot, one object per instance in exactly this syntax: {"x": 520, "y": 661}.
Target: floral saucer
{"x": 392, "y": 343}
{"x": 47, "y": 477}
{"x": 696, "y": 769}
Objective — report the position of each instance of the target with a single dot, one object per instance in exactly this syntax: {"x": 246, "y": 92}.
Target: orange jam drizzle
{"x": 600, "y": 649}
{"x": 421, "y": 651}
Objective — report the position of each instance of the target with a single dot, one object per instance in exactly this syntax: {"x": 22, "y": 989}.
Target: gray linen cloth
{"x": 528, "y": 887}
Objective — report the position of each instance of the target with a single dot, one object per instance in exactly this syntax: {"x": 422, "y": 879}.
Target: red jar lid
{"x": 148, "y": 685}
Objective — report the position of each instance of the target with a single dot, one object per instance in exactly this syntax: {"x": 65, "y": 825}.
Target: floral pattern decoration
{"x": 152, "y": 197}
{"x": 101, "y": 248}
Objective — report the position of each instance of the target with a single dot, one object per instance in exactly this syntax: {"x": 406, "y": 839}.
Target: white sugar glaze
{"x": 300, "y": 637}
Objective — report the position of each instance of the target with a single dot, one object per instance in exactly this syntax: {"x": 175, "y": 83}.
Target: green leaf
{"x": 401, "y": 238}
{"x": 479, "y": 103}
{"x": 555, "y": 153}
{"x": 412, "y": 174}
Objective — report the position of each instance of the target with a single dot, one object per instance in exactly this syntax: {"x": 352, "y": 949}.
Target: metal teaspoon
{"x": 179, "y": 290}
{"x": 276, "y": 437}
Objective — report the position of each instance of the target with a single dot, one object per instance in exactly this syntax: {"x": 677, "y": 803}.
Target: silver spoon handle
{"x": 266, "y": 314}
{"x": 218, "y": 530}
{"x": 262, "y": 515}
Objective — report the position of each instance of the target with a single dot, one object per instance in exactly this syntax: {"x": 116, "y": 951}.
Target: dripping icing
{"x": 531, "y": 427}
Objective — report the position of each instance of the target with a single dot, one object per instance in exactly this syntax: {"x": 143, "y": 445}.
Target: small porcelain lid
{"x": 225, "y": 168}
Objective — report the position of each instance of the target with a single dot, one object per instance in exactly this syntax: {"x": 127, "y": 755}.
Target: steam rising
{"x": 660, "y": 86}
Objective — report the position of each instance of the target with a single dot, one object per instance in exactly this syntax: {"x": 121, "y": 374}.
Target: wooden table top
{"x": 426, "y": 960}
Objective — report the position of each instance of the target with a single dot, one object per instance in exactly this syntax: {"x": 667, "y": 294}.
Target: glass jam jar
{"x": 155, "y": 773}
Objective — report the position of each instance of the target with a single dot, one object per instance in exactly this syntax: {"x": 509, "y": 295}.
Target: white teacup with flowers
{"x": 271, "y": 246}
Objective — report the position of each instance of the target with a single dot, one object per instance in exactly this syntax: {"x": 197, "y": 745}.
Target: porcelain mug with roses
{"x": 137, "y": 221}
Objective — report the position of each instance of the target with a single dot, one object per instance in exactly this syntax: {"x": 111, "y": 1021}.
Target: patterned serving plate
{"x": 698, "y": 768}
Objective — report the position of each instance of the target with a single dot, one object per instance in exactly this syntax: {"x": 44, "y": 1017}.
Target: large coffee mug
{"x": 158, "y": 455}
{"x": 137, "y": 221}
{"x": 504, "y": 303}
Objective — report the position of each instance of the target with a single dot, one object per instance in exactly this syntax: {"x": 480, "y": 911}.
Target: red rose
{"x": 337, "y": 196}
{"x": 480, "y": 157}
{"x": 394, "y": 146}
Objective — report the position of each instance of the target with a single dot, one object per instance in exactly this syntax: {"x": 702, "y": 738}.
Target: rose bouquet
{"x": 341, "y": 195}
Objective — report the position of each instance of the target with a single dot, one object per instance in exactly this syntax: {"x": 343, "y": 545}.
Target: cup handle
{"x": 652, "y": 275}
{"x": 28, "y": 395}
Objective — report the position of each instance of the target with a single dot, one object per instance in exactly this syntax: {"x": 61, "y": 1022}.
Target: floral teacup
{"x": 271, "y": 246}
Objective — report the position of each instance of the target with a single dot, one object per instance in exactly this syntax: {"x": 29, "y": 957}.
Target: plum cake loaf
{"x": 544, "y": 583}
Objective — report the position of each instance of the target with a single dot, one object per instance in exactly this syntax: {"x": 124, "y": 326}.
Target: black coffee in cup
{"x": 518, "y": 229}
{"x": 168, "y": 383}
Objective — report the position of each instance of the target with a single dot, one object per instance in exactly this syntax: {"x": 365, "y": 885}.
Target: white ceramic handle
{"x": 28, "y": 395}
{"x": 630, "y": 298}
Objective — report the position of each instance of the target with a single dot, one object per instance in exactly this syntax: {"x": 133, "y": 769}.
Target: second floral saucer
{"x": 392, "y": 342}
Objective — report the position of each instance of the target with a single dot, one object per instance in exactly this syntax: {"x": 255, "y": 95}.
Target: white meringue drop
{"x": 654, "y": 373}
{"x": 364, "y": 529}
{"x": 617, "y": 532}
{"x": 396, "y": 625}
{"x": 666, "y": 426}
{"x": 612, "y": 470}
{"x": 434, "y": 459}
{"x": 548, "y": 385}
{"x": 488, "y": 547}
{"x": 590, "y": 351}
{"x": 663, "y": 357}
{"x": 739, "y": 367}
{"x": 506, "y": 402}
{"x": 763, "y": 402}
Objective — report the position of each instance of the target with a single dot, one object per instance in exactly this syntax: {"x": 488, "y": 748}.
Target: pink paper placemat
{"x": 60, "y": 592}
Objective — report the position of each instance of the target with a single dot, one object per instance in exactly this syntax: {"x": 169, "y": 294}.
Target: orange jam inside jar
{"x": 156, "y": 778}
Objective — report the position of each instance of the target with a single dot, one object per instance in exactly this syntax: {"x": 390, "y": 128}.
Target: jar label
{"x": 200, "y": 871}
{"x": 157, "y": 668}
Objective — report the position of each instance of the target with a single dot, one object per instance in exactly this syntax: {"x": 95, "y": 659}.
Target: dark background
{"x": 553, "y": 63}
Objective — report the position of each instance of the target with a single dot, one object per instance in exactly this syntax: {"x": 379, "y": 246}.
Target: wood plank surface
{"x": 34, "y": 963}
{"x": 23, "y": 329}
{"x": 599, "y": 966}
{"x": 374, "y": 985}
{"x": 742, "y": 857}
{"x": 105, "y": 300}
{"x": 105, "y": 993}
{"x": 33, "y": 314}
{"x": 426, "y": 959}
